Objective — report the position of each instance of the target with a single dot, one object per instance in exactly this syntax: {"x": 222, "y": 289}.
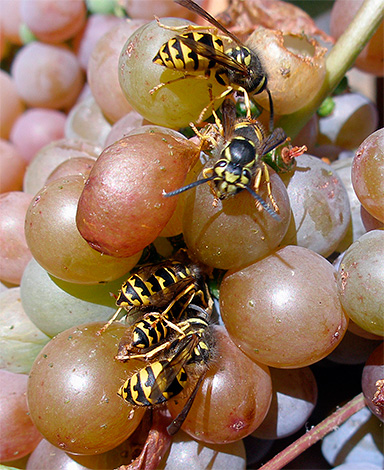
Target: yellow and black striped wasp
{"x": 162, "y": 285}
{"x": 241, "y": 146}
{"x": 199, "y": 53}
{"x": 166, "y": 377}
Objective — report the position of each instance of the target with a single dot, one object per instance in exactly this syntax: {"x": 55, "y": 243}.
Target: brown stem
{"x": 315, "y": 434}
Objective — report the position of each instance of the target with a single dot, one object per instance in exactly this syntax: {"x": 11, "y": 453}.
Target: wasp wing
{"x": 228, "y": 110}
{"x": 213, "y": 54}
{"x": 170, "y": 371}
{"x": 195, "y": 8}
{"x": 275, "y": 139}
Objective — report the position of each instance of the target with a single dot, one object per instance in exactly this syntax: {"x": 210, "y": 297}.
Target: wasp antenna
{"x": 189, "y": 186}
{"x": 264, "y": 204}
{"x": 271, "y": 110}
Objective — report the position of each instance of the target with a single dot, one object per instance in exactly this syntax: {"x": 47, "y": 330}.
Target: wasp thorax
{"x": 240, "y": 151}
{"x": 255, "y": 80}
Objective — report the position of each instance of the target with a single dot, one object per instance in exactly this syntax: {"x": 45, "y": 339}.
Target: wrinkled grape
{"x": 122, "y": 211}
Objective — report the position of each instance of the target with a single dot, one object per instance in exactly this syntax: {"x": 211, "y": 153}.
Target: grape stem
{"x": 340, "y": 59}
{"x": 315, "y": 434}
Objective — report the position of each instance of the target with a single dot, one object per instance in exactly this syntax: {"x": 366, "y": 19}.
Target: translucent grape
{"x": 213, "y": 417}
{"x": 20, "y": 339}
{"x": 368, "y": 174}
{"x": 11, "y": 104}
{"x": 55, "y": 242}
{"x": 320, "y": 206}
{"x": 361, "y": 282}
{"x": 284, "y": 310}
{"x": 72, "y": 391}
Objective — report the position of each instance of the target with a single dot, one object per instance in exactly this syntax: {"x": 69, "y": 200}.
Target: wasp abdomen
{"x": 138, "y": 388}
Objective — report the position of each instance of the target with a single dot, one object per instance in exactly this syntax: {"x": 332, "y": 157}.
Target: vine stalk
{"x": 339, "y": 60}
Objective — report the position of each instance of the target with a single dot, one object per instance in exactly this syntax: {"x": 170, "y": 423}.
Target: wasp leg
{"x": 246, "y": 101}
{"x": 256, "y": 186}
{"x": 161, "y": 85}
{"x": 147, "y": 355}
{"x": 208, "y": 138}
{"x": 207, "y": 173}
{"x": 210, "y": 104}
{"x": 110, "y": 321}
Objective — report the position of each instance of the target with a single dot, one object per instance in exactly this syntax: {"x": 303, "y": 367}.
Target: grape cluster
{"x": 94, "y": 134}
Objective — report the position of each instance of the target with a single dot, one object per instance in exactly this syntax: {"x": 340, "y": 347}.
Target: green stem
{"x": 315, "y": 434}
{"x": 340, "y": 59}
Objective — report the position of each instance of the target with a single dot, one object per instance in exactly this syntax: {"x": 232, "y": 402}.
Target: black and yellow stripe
{"x": 145, "y": 389}
{"x": 149, "y": 331}
{"x": 138, "y": 289}
{"x": 175, "y": 54}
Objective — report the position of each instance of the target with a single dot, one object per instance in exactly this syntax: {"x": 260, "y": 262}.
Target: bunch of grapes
{"x": 99, "y": 139}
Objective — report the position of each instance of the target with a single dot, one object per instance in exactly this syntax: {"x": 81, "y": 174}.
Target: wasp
{"x": 160, "y": 285}
{"x": 147, "y": 336}
{"x": 241, "y": 147}
{"x": 165, "y": 378}
{"x": 238, "y": 68}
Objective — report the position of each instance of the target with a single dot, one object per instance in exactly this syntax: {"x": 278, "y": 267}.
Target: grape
{"x": 121, "y": 212}
{"x": 55, "y": 305}
{"x": 18, "y": 434}
{"x": 295, "y": 64}
{"x": 359, "y": 439}
{"x": 10, "y": 20}
{"x": 214, "y": 418}
{"x": 368, "y": 174}
{"x": 11, "y": 104}
{"x": 55, "y": 242}
{"x": 86, "y": 122}
{"x": 123, "y": 126}
{"x": 36, "y": 128}
{"x": 12, "y": 167}
{"x": 102, "y": 70}
{"x": 50, "y": 156}
{"x": 353, "y": 349}
{"x": 235, "y": 233}
{"x": 148, "y": 9}
{"x": 53, "y": 21}
{"x": 73, "y": 166}
{"x": 174, "y": 105}
{"x": 294, "y": 398}
{"x": 97, "y": 25}
{"x": 370, "y": 59}
{"x": 361, "y": 282}
{"x": 47, "y": 456}
{"x": 373, "y": 382}
{"x": 356, "y": 227}
{"x": 369, "y": 222}
{"x": 20, "y": 339}
{"x": 14, "y": 252}
{"x": 320, "y": 206}
{"x": 353, "y": 118}
{"x": 47, "y": 76}
{"x": 215, "y": 457}
{"x": 284, "y": 310}
{"x": 72, "y": 391}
